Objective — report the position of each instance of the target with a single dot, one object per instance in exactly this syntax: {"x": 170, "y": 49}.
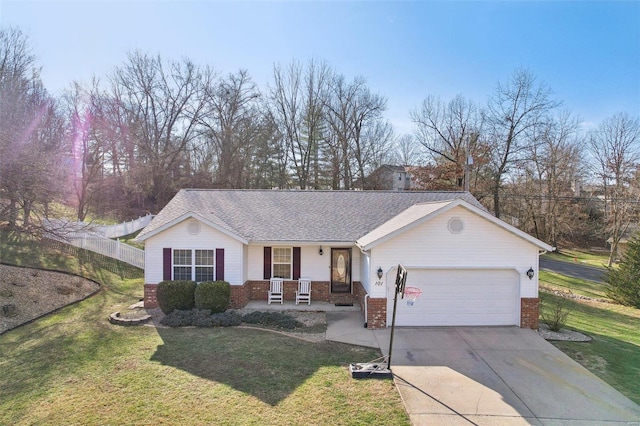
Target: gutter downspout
{"x": 366, "y": 296}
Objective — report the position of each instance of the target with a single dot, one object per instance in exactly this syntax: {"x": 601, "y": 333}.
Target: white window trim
{"x": 290, "y": 263}
{"x": 193, "y": 264}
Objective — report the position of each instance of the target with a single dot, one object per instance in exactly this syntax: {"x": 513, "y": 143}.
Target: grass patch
{"x": 593, "y": 289}
{"x": 73, "y": 367}
{"x": 614, "y": 353}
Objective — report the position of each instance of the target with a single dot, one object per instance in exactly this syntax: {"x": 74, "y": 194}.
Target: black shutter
{"x": 166, "y": 264}
{"x": 296, "y": 263}
{"x": 267, "y": 263}
{"x": 219, "y": 264}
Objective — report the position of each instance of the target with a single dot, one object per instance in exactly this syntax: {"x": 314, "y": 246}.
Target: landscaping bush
{"x": 178, "y": 318}
{"x": 172, "y": 295}
{"x": 201, "y": 318}
{"x": 226, "y": 319}
{"x": 213, "y": 295}
{"x": 273, "y": 319}
{"x": 554, "y": 310}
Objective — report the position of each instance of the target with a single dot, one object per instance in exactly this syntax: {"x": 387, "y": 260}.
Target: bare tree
{"x": 86, "y": 153}
{"x": 407, "y": 151}
{"x": 615, "y": 148}
{"x": 451, "y": 133}
{"x": 513, "y": 113}
{"x": 165, "y": 102}
{"x": 31, "y": 165}
{"x": 353, "y": 111}
{"x": 231, "y": 124}
{"x": 546, "y": 186}
{"x": 297, "y": 100}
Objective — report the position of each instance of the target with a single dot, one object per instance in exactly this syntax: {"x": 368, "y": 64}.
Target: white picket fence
{"x": 97, "y": 238}
{"x": 105, "y": 246}
{"x": 125, "y": 228}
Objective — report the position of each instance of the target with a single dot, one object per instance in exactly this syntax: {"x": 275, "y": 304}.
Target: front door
{"x": 341, "y": 270}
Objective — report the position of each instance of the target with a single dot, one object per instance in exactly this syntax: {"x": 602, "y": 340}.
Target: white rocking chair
{"x": 304, "y": 291}
{"x": 276, "y": 289}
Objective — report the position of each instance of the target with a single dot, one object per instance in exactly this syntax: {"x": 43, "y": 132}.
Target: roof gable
{"x": 182, "y": 218}
{"x": 420, "y": 213}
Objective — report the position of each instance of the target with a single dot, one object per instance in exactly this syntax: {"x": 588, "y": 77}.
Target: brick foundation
{"x": 376, "y": 313}
{"x": 258, "y": 290}
{"x": 150, "y": 300}
{"x": 529, "y": 312}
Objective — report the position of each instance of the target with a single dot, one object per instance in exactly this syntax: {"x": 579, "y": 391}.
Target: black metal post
{"x": 393, "y": 326}
{"x": 401, "y": 279}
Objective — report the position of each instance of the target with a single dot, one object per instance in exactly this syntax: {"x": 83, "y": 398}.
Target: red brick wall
{"x": 376, "y": 313}
{"x": 529, "y": 312}
{"x": 238, "y": 296}
{"x": 258, "y": 290}
{"x": 150, "y": 300}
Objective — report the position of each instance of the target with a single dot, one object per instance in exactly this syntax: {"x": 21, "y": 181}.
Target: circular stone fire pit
{"x": 116, "y": 318}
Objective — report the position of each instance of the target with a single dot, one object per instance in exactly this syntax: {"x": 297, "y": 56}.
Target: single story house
{"x": 473, "y": 268}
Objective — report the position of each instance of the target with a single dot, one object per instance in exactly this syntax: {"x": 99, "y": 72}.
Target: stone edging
{"x": 115, "y": 318}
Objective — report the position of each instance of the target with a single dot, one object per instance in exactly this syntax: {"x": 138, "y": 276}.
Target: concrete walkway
{"x": 487, "y": 376}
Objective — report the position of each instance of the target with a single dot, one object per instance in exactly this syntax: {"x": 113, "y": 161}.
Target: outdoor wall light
{"x": 530, "y": 273}
{"x": 320, "y": 252}
{"x": 380, "y": 272}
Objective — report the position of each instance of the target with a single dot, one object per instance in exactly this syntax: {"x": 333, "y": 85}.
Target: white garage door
{"x": 459, "y": 297}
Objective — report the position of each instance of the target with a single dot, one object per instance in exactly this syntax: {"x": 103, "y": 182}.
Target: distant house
{"x": 388, "y": 178}
{"x": 473, "y": 268}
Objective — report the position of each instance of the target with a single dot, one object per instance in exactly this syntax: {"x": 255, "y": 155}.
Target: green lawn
{"x": 587, "y": 288}
{"x": 73, "y": 367}
{"x": 614, "y": 353}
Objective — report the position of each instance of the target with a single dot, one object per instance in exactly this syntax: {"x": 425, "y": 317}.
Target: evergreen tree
{"x": 624, "y": 281}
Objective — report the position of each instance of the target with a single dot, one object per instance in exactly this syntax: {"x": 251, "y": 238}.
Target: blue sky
{"x": 587, "y": 52}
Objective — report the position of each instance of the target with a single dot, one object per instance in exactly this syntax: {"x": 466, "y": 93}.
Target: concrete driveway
{"x": 497, "y": 376}
{"x": 488, "y": 376}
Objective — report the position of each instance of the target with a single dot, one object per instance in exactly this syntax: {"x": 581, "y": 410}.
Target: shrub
{"x": 178, "y": 318}
{"x": 226, "y": 319}
{"x": 554, "y": 310}
{"x": 624, "y": 281}
{"x": 173, "y": 295}
{"x": 201, "y": 318}
{"x": 273, "y": 319}
{"x": 213, "y": 295}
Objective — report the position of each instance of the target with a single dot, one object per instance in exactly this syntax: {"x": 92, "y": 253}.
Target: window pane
{"x": 281, "y": 255}
{"x": 282, "y": 270}
{"x": 204, "y": 257}
{"x": 181, "y": 272}
{"x": 182, "y": 257}
{"x": 204, "y": 273}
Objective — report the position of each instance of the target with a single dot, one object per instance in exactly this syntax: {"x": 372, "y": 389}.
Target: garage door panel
{"x": 460, "y": 297}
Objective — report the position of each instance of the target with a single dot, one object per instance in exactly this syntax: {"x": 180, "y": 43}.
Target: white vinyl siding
{"x": 312, "y": 265}
{"x": 480, "y": 245}
{"x": 178, "y": 238}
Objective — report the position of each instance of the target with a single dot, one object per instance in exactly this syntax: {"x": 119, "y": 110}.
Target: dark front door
{"x": 341, "y": 270}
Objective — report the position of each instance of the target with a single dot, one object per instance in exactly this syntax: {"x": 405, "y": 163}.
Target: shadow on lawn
{"x": 266, "y": 365}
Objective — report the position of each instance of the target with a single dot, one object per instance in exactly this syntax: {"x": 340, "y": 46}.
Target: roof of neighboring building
{"x": 290, "y": 215}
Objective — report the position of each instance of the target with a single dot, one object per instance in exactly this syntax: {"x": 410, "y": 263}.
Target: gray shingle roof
{"x": 305, "y": 216}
